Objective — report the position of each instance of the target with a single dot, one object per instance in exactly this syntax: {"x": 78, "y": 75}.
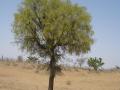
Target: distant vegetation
{"x": 37, "y": 65}
{"x": 95, "y": 63}
{"x": 32, "y": 59}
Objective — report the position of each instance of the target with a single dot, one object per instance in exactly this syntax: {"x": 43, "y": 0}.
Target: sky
{"x": 105, "y": 22}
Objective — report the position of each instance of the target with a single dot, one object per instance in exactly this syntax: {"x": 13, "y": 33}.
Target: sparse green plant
{"x": 95, "y": 63}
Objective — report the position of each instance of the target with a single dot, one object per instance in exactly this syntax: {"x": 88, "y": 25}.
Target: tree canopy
{"x": 44, "y": 24}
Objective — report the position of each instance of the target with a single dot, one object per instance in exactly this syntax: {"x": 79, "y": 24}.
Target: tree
{"x": 81, "y": 61}
{"x": 51, "y": 28}
{"x": 20, "y": 59}
{"x": 95, "y": 63}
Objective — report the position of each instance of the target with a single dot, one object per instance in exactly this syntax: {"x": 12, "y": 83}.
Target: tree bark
{"x": 52, "y": 73}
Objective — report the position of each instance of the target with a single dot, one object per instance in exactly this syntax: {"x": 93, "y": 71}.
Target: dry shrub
{"x": 68, "y": 82}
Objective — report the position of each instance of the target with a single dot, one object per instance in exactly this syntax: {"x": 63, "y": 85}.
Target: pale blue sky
{"x": 105, "y": 21}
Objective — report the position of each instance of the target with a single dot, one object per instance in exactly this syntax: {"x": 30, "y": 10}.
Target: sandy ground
{"x": 14, "y": 78}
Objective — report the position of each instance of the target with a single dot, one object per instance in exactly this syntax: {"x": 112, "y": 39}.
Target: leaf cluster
{"x": 96, "y": 63}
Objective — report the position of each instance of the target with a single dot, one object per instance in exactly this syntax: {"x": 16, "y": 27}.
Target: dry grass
{"x": 16, "y": 78}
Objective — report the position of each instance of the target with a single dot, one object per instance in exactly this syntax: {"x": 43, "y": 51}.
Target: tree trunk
{"x": 51, "y": 82}
{"x": 52, "y": 73}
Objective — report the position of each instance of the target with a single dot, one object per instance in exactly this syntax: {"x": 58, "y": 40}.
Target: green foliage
{"x": 32, "y": 59}
{"x": 43, "y": 25}
{"x": 95, "y": 63}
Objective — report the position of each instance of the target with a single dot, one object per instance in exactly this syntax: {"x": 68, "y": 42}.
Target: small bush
{"x": 95, "y": 63}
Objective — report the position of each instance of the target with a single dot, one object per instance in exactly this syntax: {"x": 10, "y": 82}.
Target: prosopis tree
{"x": 50, "y": 28}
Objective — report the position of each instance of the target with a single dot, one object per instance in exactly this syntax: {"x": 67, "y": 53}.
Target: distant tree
{"x": 81, "y": 61}
{"x": 1, "y": 59}
{"x": 117, "y": 67}
{"x": 20, "y": 59}
{"x": 95, "y": 63}
{"x": 51, "y": 28}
